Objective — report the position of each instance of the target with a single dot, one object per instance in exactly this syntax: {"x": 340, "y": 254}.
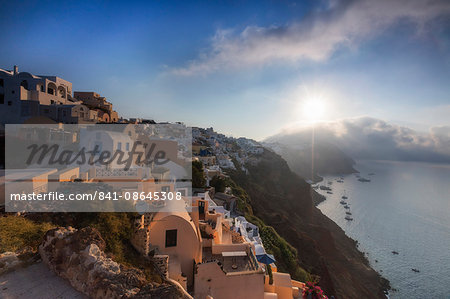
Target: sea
{"x": 405, "y": 209}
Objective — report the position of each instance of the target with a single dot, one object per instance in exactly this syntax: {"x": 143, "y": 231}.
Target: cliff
{"x": 328, "y": 159}
{"x": 283, "y": 200}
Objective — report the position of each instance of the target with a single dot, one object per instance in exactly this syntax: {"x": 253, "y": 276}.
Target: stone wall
{"x": 162, "y": 262}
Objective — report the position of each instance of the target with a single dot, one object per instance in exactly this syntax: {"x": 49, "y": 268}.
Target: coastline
{"x": 324, "y": 249}
{"x": 391, "y": 218}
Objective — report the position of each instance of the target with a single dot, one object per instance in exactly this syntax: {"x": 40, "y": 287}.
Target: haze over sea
{"x": 405, "y": 208}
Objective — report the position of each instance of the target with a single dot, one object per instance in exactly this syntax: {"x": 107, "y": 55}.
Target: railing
{"x": 102, "y": 172}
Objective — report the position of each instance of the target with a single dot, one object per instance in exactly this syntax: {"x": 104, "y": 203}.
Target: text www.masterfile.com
{"x": 96, "y": 195}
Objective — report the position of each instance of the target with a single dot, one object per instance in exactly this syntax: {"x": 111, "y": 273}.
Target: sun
{"x": 313, "y": 109}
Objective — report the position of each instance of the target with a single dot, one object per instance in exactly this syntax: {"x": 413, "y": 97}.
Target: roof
{"x": 224, "y": 196}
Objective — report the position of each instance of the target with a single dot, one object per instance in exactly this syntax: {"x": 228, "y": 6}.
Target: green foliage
{"x": 18, "y": 232}
{"x": 116, "y": 229}
{"x": 198, "y": 178}
{"x": 218, "y": 183}
{"x": 285, "y": 254}
{"x": 269, "y": 272}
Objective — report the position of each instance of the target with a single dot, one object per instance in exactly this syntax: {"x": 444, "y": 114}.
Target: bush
{"x": 218, "y": 183}
{"x": 198, "y": 178}
{"x": 285, "y": 254}
{"x": 17, "y": 232}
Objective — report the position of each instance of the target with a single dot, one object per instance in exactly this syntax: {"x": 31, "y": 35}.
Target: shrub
{"x": 17, "y": 232}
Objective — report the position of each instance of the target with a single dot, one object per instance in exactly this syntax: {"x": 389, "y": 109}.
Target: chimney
{"x": 16, "y": 70}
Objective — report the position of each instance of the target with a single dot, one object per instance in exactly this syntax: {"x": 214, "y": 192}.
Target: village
{"x": 202, "y": 243}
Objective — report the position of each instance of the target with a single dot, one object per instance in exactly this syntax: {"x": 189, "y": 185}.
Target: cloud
{"x": 370, "y": 138}
{"x": 315, "y": 38}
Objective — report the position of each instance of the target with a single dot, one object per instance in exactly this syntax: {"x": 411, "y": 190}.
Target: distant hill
{"x": 359, "y": 138}
{"x": 328, "y": 158}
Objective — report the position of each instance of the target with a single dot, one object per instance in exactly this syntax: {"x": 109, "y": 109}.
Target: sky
{"x": 245, "y": 68}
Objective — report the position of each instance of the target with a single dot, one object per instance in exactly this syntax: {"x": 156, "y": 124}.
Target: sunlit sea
{"x": 404, "y": 208}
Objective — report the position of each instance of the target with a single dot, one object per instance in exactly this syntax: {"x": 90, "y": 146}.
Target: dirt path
{"x": 36, "y": 281}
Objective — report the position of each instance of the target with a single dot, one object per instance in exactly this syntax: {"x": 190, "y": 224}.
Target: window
{"x": 2, "y": 98}
{"x": 165, "y": 189}
{"x": 119, "y": 146}
{"x": 9, "y": 103}
{"x": 1, "y": 82}
{"x": 171, "y": 238}
{"x": 46, "y": 111}
{"x": 13, "y": 91}
{"x": 128, "y": 146}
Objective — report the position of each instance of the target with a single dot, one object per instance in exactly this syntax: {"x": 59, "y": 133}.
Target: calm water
{"x": 405, "y": 208}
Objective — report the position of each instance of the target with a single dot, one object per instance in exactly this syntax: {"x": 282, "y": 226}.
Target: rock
{"x": 79, "y": 257}
{"x": 9, "y": 261}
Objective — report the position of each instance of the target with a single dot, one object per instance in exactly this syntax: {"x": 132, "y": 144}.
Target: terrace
{"x": 232, "y": 261}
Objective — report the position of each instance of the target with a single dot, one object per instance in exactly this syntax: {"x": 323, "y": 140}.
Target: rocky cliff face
{"x": 328, "y": 159}
{"x": 78, "y": 256}
{"x": 283, "y": 200}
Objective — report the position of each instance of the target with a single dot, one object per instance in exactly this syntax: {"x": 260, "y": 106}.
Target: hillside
{"x": 328, "y": 159}
{"x": 283, "y": 200}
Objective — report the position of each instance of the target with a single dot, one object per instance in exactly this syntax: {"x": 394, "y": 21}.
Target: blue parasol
{"x": 265, "y": 258}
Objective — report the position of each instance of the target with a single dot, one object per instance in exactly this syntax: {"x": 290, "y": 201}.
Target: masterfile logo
{"x": 98, "y": 168}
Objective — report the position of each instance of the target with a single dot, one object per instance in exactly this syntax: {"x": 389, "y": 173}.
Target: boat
{"x": 348, "y": 213}
{"x": 329, "y": 192}
{"x": 348, "y": 218}
{"x": 346, "y": 207}
{"x": 325, "y": 188}
{"x": 415, "y": 270}
{"x": 394, "y": 252}
{"x": 340, "y": 181}
{"x": 344, "y": 197}
{"x": 342, "y": 202}
{"x": 315, "y": 187}
{"x": 364, "y": 180}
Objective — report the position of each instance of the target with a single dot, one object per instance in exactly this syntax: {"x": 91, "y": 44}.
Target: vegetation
{"x": 116, "y": 230}
{"x": 313, "y": 290}
{"x": 284, "y": 253}
{"x": 218, "y": 183}
{"x": 269, "y": 272}
{"x": 18, "y": 232}
{"x": 198, "y": 178}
